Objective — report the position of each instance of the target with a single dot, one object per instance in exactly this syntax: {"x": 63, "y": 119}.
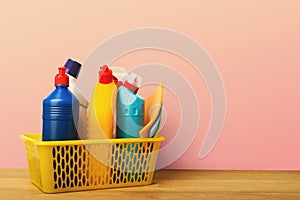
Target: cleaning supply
{"x": 72, "y": 70}
{"x": 60, "y": 111}
{"x": 102, "y": 106}
{"x": 153, "y": 110}
{"x": 130, "y": 108}
{"x": 154, "y": 129}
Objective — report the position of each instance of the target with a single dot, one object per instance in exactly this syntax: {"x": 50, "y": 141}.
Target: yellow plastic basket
{"x": 73, "y": 165}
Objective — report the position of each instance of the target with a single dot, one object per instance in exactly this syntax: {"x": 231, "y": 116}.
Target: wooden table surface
{"x": 171, "y": 184}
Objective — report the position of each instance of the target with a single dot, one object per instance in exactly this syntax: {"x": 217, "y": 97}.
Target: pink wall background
{"x": 255, "y": 45}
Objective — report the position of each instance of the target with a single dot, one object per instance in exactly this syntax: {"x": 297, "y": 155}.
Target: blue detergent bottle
{"x": 130, "y": 108}
{"x": 60, "y": 111}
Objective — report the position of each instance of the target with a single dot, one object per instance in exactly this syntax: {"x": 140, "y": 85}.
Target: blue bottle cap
{"x": 73, "y": 68}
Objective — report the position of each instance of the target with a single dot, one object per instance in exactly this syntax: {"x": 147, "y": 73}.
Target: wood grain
{"x": 171, "y": 184}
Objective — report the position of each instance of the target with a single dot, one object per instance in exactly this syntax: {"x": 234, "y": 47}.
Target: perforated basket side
{"x": 99, "y": 171}
{"x": 132, "y": 163}
{"x": 122, "y": 164}
{"x": 62, "y": 166}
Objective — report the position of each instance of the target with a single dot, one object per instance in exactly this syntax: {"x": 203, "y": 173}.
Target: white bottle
{"x": 73, "y": 69}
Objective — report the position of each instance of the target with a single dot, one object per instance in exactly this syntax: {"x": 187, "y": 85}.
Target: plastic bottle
{"x": 102, "y": 105}
{"x": 130, "y": 108}
{"x": 60, "y": 111}
{"x": 73, "y": 69}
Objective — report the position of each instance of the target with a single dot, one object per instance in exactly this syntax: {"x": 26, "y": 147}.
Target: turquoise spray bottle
{"x": 130, "y": 108}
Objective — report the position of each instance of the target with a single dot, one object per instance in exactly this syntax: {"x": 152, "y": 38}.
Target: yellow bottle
{"x": 102, "y": 106}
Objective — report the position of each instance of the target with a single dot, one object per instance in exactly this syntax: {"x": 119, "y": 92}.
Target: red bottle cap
{"x": 131, "y": 87}
{"x": 133, "y": 82}
{"x": 61, "y": 78}
{"x": 105, "y": 75}
{"x": 115, "y": 79}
